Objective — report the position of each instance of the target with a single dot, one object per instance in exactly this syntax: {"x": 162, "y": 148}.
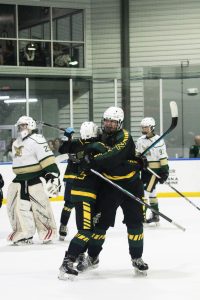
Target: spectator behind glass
{"x": 57, "y": 144}
{"x": 9, "y": 54}
{"x": 194, "y": 151}
{"x": 51, "y": 145}
{"x": 8, "y": 153}
{"x": 34, "y": 55}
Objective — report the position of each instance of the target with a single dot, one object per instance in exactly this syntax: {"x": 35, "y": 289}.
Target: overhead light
{"x": 192, "y": 91}
{"x": 21, "y": 100}
{"x": 4, "y": 97}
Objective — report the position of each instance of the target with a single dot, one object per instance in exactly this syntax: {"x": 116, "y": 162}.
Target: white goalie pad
{"x": 20, "y": 214}
{"x": 51, "y": 189}
{"x": 43, "y": 214}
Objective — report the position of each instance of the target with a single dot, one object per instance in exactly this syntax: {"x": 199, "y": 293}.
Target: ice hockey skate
{"x": 82, "y": 262}
{"x": 140, "y": 266}
{"x": 87, "y": 263}
{"x": 154, "y": 218}
{"x": 24, "y": 242}
{"x": 67, "y": 271}
{"x": 62, "y": 232}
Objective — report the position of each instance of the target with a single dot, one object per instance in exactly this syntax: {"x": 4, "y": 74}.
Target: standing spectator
{"x": 57, "y": 143}
{"x": 194, "y": 151}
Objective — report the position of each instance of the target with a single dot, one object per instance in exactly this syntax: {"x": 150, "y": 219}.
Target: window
{"x": 46, "y": 37}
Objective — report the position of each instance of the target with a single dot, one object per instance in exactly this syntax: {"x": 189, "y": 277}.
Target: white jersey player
{"x": 157, "y": 161}
{"x": 28, "y": 204}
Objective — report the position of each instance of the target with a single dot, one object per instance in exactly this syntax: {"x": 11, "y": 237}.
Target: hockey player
{"x": 157, "y": 161}
{"x": 119, "y": 165}
{"x": 84, "y": 190}
{"x": 28, "y": 204}
{"x": 1, "y": 192}
{"x": 74, "y": 148}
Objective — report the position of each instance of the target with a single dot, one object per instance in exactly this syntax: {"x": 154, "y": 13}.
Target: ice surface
{"x": 30, "y": 272}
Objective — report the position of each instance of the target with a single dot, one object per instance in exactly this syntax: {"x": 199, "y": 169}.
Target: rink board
{"x": 184, "y": 175}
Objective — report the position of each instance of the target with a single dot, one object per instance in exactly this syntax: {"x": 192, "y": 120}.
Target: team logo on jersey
{"x": 18, "y": 151}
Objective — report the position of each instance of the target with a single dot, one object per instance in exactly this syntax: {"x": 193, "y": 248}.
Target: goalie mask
{"x": 113, "y": 119}
{"x": 89, "y": 130}
{"x": 148, "y": 125}
{"x": 25, "y": 126}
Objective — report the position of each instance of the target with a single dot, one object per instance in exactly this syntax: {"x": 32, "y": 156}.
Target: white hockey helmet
{"x": 115, "y": 114}
{"x": 148, "y": 122}
{"x": 88, "y": 130}
{"x": 31, "y": 124}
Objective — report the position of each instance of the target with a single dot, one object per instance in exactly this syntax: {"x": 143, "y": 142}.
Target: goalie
{"x": 37, "y": 179}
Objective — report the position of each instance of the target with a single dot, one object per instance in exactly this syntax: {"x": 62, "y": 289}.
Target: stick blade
{"x": 174, "y": 109}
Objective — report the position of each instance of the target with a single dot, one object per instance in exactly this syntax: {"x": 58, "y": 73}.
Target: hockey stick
{"x": 137, "y": 199}
{"x": 50, "y": 125}
{"x": 174, "y": 114}
{"x": 173, "y": 188}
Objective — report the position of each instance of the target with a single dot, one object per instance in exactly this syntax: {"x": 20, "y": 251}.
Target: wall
{"x": 106, "y": 54}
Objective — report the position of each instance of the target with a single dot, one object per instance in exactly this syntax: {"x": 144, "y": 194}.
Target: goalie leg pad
{"x": 43, "y": 214}
{"x": 20, "y": 214}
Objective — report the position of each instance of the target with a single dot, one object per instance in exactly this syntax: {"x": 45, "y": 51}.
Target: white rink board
{"x": 184, "y": 176}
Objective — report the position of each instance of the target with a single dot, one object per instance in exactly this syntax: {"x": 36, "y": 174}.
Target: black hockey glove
{"x": 86, "y": 163}
{"x": 142, "y": 161}
{"x": 1, "y": 197}
{"x": 163, "y": 177}
{"x": 68, "y": 132}
{"x": 1, "y": 181}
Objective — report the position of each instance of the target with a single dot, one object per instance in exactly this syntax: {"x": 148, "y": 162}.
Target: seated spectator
{"x": 194, "y": 151}
{"x": 61, "y": 56}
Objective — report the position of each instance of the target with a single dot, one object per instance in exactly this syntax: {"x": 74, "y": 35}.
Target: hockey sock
{"x": 96, "y": 242}
{"x": 79, "y": 243}
{"x": 65, "y": 215}
{"x": 135, "y": 241}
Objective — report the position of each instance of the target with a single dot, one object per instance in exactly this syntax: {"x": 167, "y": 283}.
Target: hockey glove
{"x": 51, "y": 184}
{"x": 1, "y": 197}
{"x": 163, "y": 177}
{"x": 68, "y": 132}
{"x": 86, "y": 163}
{"x": 142, "y": 161}
{"x": 1, "y": 181}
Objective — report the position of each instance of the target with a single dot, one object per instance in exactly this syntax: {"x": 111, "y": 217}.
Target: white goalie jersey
{"x": 157, "y": 155}
{"x": 31, "y": 156}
